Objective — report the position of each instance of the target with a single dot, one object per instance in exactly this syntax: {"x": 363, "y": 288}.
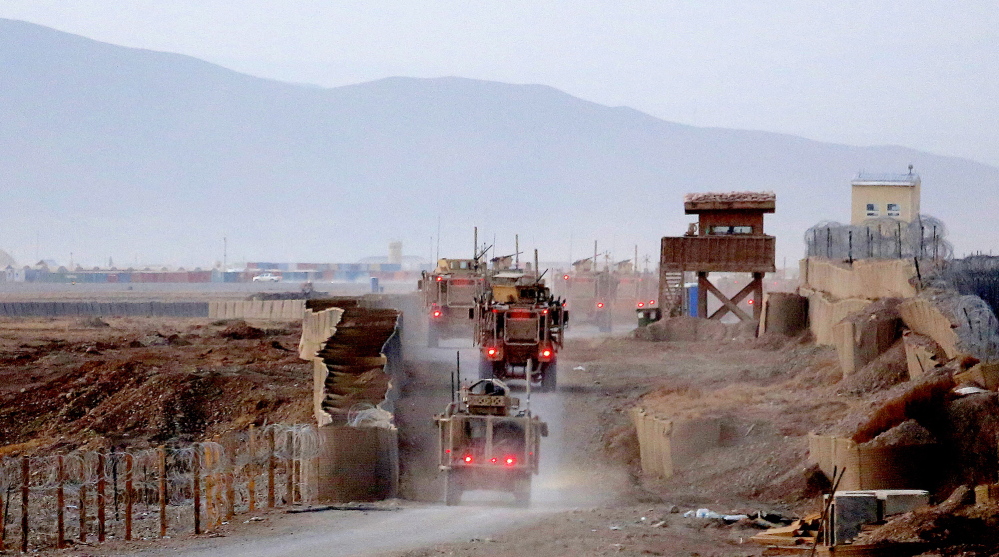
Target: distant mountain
{"x": 113, "y": 151}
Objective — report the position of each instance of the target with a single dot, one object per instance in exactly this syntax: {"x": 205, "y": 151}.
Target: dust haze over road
{"x": 568, "y": 478}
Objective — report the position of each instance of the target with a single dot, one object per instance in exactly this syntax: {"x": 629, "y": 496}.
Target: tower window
{"x": 872, "y": 209}
{"x": 894, "y": 210}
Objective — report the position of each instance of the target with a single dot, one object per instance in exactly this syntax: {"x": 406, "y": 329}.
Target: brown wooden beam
{"x": 703, "y": 286}
{"x": 727, "y": 305}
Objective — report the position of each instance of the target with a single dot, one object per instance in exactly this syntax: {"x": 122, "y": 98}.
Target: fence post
{"x": 251, "y": 469}
{"x": 270, "y": 468}
{"x": 101, "y": 498}
{"x": 25, "y": 490}
{"x": 196, "y": 471}
{"x": 289, "y": 470}
{"x": 3, "y": 521}
{"x": 297, "y": 455}
{"x": 209, "y": 487}
{"x": 60, "y": 502}
{"x": 230, "y": 488}
{"x": 161, "y": 454}
{"x": 129, "y": 470}
{"x": 83, "y": 505}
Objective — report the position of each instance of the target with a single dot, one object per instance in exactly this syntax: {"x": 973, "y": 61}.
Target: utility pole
{"x": 225, "y": 253}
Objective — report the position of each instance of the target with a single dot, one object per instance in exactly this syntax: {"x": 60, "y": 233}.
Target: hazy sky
{"x": 920, "y": 73}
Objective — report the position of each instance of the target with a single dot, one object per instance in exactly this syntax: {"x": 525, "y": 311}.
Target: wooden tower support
{"x": 754, "y": 289}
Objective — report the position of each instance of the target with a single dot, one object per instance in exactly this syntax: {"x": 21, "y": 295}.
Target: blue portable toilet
{"x": 691, "y": 288}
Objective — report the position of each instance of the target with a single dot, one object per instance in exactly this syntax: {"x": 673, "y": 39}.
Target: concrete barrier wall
{"x": 104, "y": 309}
{"x": 274, "y": 310}
{"x": 904, "y": 467}
{"x": 867, "y": 278}
{"x": 667, "y": 446}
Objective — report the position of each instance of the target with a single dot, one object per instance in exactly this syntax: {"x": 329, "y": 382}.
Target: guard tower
{"x": 728, "y": 238}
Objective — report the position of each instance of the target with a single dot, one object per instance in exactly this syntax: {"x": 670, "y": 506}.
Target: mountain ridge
{"x": 116, "y": 151}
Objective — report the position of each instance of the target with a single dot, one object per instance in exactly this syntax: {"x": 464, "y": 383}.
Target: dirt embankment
{"x": 79, "y": 383}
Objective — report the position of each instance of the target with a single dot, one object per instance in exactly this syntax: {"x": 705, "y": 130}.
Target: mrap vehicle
{"x": 449, "y": 294}
{"x": 519, "y": 328}
{"x": 488, "y": 442}
{"x": 590, "y": 294}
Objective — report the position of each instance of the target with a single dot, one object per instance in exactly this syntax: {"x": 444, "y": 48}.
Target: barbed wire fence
{"x": 885, "y": 238}
{"x": 90, "y": 496}
{"x": 973, "y": 284}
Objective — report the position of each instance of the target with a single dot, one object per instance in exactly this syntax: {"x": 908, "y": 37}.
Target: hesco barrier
{"x": 104, "y": 309}
{"x": 666, "y": 446}
{"x": 355, "y": 351}
{"x": 903, "y": 467}
{"x": 274, "y": 310}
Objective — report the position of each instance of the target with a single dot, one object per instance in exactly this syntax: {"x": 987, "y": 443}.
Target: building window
{"x": 725, "y": 230}
{"x": 872, "y": 209}
{"x": 894, "y": 210}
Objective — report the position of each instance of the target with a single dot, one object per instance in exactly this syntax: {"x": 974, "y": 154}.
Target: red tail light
{"x": 546, "y": 354}
{"x": 652, "y": 302}
{"x": 468, "y": 458}
{"x": 600, "y": 305}
{"x": 493, "y": 460}
{"x": 438, "y": 278}
{"x": 437, "y": 313}
{"x": 510, "y": 460}
{"x": 751, "y": 302}
{"x": 641, "y": 304}
{"x": 565, "y": 277}
{"x": 493, "y": 353}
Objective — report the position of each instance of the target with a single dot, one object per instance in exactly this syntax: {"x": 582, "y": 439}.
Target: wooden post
{"x": 161, "y": 453}
{"x": 230, "y": 493}
{"x": 757, "y": 296}
{"x": 60, "y": 501}
{"x": 251, "y": 469}
{"x": 210, "y": 487}
{"x": 83, "y": 512}
{"x": 196, "y": 471}
{"x": 3, "y": 522}
{"x": 101, "y": 498}
{"x": 129, "y": 472}
{"x": 270, "y": 469}
{"x": 702, "y": 294}
{"x": 289, "y": 471}
{"x": 25, "y": 490}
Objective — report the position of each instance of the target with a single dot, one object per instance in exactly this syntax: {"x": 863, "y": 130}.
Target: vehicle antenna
{"x": 536, "y": 264}
{"x": 457, "y": 371}
{"x": 516, "y": 251}
{"x": 528, "y": 372}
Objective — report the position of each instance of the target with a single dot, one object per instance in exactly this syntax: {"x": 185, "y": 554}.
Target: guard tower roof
{"x": 758, "y": 201}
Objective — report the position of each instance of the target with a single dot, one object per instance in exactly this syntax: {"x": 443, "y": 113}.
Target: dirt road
{"x": 569, "y": 478}
{"x": 587, "y": 498}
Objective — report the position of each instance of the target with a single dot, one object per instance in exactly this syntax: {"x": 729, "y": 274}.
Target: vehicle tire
{"x": 433, "y": 336}
{"x": 549, "y": 379}
{"x": 522, "y": 492}
{"x": 486, "y": 369}
{"x": 452, "y": 488}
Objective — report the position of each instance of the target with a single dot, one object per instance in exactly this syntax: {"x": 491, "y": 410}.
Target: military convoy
{"x": 487, "y": 441}
{"x": 449, "y": 294}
